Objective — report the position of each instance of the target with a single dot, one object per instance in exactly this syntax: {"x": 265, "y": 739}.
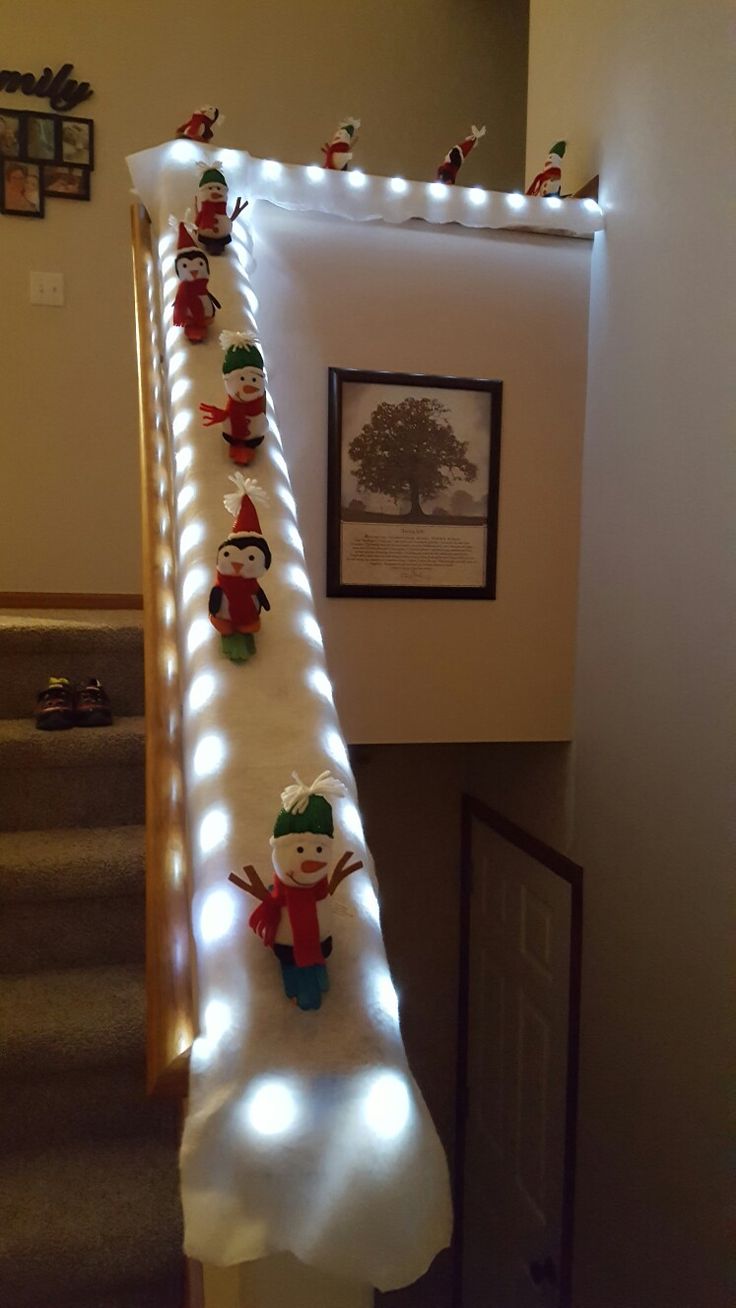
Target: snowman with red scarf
{"x": 212, "y": 220}
{"x": 294, "y": 916}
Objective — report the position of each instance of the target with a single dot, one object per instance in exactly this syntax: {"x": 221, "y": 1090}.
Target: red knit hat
{"x": 185, "y": 242}
{"x": 241, "y": 504}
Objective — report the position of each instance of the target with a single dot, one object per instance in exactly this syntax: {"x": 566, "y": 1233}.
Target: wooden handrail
{"x": 171, "y": 1022}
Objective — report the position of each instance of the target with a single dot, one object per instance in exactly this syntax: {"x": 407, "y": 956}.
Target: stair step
{"x": 85, "y": 1105}
{"x": 79, "y": 645}
{"x": 81, "y": 1221}
{"x": 84, "y": 777}
{"x": 71, "y": 863}
{"x": 72, "y": 933}
{"x": 81, "y": 1017}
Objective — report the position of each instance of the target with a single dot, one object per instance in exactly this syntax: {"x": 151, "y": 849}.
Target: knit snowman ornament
{"x": 200, "y": 127}
{"x": 293, "y": 918}
{"x": 244, "y": 422}
{"x": 194, "y": 305}
{"x": 212, "y": 220}
{"x": 236, "y": 599}
{"x": 338, "y": 152}
{"x": 549, "y": 181}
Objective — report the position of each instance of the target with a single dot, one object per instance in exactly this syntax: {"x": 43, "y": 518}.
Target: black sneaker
{"x": 91, "y": 705}
{"x": 55, "y": 706}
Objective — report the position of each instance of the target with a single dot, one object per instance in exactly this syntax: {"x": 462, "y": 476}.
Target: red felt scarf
{"x": 208, "y": 211}
{"x": 300, "y": 903}
{"x": 188, "y": 307}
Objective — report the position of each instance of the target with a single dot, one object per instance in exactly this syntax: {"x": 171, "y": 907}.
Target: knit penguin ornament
{"x": 453, "y": 160}
{"x": 549, "y": 181}
{"x": 194, "y": 306}
{"x": 244, "y": 422}
{"x": 293, "y": 917}
{"x": 338, "y": 152}
{"x": 211, "y": 218}
{"x": 236, "y": 599}
{"x": 200, "y": 127}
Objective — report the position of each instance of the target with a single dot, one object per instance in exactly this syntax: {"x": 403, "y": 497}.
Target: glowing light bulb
{"x": 319, "y": 681}
{"x": 278, "y": 458}
{"x": 291, "y": 531}
{"x": 387, "y": 1105}
{"x": 592, "y": 206}
{"x": 477, "y": 196}
{"x": 399, "y": 185}
{"x": 310, "y": 628}
{"x": 272, "y": 1108}
{"x": 183, "y": 152}
{"x": 287, "y": 498}
{"x": 438, "y": 190}
{"x": 515, "y": 200}
{"x": 185, "y": 497}
{"x": 553, "y": 202}
{"x": 386, "y": 994}
{"x": 176, "y": 360}
{"x": 197, "y": 634}
{"x": 315, "y": 173}
{"x": 350, "y": 819}
{"x": 181, "y": 422}
{"x": 335, "y": 747}
{"x": 357, "y": 179}
{"x": 298, "y": 578}
{"x": 271, "y": 169}
{"x": 191, "y": 536}
{"x": 368, "y": 900}
{"x": 216, "y": 1020}
{"x": 195, "y": 581}
{"x": 216, "y": 915}
{"x": 201, "y": 691}
{"x": 208, "y": 755}
{"x": 183, "y": 458}
{"x": 180, "y": 388}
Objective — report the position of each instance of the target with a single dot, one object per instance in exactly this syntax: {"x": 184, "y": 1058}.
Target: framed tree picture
{"x": 413, "y": 472}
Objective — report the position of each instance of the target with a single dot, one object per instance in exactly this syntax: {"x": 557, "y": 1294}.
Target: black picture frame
{"x": 77, "y": 143}
{"x": 11, "y": 134}
{"x": 11, "y": 201}
{"x": 35, "y": 148}
{"x": 338, "y": 514}
{"x": 54, "y": 173}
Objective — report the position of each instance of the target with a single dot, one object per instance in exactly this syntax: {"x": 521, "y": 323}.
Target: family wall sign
{"x": 62, "y": 91}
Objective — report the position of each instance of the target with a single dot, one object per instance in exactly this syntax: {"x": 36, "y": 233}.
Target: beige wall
{"x": 283, "y": 73}
{"x": 642, "y": 93}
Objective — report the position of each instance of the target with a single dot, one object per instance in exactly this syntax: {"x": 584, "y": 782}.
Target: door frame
{"x": 572, "y": 873}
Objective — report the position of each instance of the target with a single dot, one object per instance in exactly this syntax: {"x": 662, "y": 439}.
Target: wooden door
{"x": 521, "y": 922}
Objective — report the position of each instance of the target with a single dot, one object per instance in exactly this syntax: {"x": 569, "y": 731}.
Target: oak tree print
{"x": 409, "y": 452}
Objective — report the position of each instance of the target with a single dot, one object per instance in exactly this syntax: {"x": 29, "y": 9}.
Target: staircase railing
{"x": 170, "y": 974}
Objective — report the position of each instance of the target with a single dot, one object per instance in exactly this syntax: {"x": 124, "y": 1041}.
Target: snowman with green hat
{"x": 244, "y": 422}
{"x": 293, "y": 917}
{"x": 549, "y": 181}
{"x": 212, "y": 220}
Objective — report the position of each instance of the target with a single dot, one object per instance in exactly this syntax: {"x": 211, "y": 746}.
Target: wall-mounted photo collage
{"x": 43, "y": 156}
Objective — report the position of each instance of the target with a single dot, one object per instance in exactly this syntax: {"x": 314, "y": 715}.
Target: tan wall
{"x": 283, "y": 73}
{"x": 642, "y": 92}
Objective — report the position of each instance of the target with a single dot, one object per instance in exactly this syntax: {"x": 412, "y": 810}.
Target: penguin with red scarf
{"x": 244, "y": 422}
{"x": 293, "y": 917}
{"x": 236, "y": 599}
{"x": 195, "y": 305}
{"x": 338, "y": 152}
{"x": 200, "y": 127}
{"x": 454, "y": 159}
{"x": 211, "y": 218}
{"x": 549, "y": 181}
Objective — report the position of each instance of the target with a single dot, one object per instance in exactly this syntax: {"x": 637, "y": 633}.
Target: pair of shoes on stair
{"x": 62, "y": 705}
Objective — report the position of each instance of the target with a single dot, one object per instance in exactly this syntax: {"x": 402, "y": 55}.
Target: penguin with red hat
{"x": 200, "y": 127}
{"x": 453, "y": 160}
{"x": 195, "y": 305}
{"x": 236, "y": 599}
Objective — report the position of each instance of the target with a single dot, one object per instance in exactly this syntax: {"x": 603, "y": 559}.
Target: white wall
{"x": 641, "y": 92}
{"x": 283, "y": 72}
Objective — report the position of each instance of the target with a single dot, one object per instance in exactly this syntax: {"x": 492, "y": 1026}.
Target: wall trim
{"x": 45, "y": 599}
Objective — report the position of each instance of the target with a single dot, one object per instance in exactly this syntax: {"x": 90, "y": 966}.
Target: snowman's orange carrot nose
{"x": 252, "y": 390}
{"x": 311, "y": 865}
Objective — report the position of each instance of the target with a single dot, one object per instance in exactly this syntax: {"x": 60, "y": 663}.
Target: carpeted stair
{"x": 89, "y": 1206}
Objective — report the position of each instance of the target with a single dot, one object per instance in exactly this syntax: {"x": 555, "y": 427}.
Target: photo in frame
{"x": 22, "y": 192}
{"x": 42, "y": 144}
{"x": 65, "y": 182}
{"x": 11, "y": 137}
{"x": 77, "y": 141}
{"x": 413, "y": 477}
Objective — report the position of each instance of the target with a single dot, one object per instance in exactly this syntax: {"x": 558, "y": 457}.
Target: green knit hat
{"x": 306, "y": 809}
{"x": 240, "y": 352}
{"x": 212, "y": 175}
{"x": 559, "y": 148}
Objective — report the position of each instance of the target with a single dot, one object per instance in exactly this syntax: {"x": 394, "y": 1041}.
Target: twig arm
{"x": 343, "y": 869}
{"x": 253, "y": 886}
